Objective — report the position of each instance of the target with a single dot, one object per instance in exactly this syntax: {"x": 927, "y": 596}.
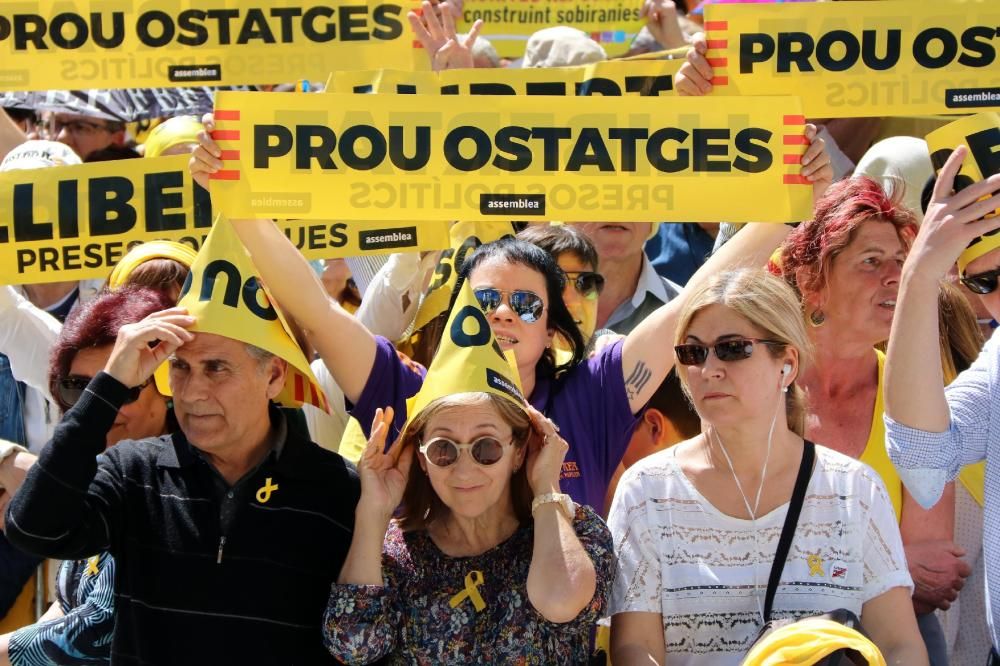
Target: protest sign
{"x": 426, "y": 157}
{"x": 981, "y": 133}
{"x": 611, "y": 78}
{"x": 509, "y": 23}
{"x": 849, "y": 59}
{"x": 76, "y": 222}
{"x": 47, "y": 44}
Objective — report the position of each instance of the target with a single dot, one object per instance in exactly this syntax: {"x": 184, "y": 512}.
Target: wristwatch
{"x": 564, "y": 500}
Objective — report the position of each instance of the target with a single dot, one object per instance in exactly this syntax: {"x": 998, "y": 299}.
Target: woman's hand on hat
{"x": 205, "y": 158}
{"x": 695, "y": 76}
{"x": 663, "y": 24}
{"x": 952, "y": 221}
{"x": 816, "y": 163}
{"x": 546, "y": 452}
{"x": 141, "y": 347}
{"x": 383, "y": 473}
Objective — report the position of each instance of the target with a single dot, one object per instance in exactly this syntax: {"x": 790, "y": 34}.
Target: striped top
{"x": 706, "y": 572}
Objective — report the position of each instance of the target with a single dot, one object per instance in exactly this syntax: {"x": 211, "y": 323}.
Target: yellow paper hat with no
{"x": 469, "y": 360}
{"x": 225, "y": 296}
{"x": 981, "y": 133}
{"x": 808, "y": 641}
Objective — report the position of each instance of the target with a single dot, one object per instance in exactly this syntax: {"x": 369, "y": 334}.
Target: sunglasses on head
{"x": 982, "y": 283}
{"x": 588, "y": 283}
{"x": 730, "y": 349}
{"x": 70, "y": 388}
{"x": 442, "y": 452}
{"x": 526, "y": 304}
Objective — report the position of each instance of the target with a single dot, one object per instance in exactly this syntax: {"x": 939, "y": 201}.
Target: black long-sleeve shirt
{"x": 186, "y": 591}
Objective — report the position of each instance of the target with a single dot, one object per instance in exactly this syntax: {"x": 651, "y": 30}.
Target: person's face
{"x": 729, "y": 393}
{"x": 859, "y": 298}
{"x": 583, "y": 308}
{"x": 617, "y": 241}
{"x": 467, "y": 488}
{"x": 221, "y": 392}
{"x": 83, "y": 134}
{"x": 336, "y": 273}
{"x": 528, "y": 339}
{"x": 146, "y": 417}
{"x": 987, "y": 262}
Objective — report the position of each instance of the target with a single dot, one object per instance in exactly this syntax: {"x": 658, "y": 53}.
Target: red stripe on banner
{"x": 794, "y": 120}
{"x": 796, "y": 140}
{"x": 226, "y": 135}
{"x": 793, "y": 159}
{"x": 718, "y": 62}
{"x": 229, "y": 155}
{"x": 717, "y": 43}
{"x": 720, "y": 81}
{"x": 225, "y": 175}
{"x": 228, "y": 114}
{"x": 300, "y": 389}
{"x": 716, "y": 25}
{"x": 789, "y": 179}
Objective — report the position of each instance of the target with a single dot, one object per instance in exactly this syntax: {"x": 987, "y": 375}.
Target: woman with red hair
{"x": 845, "y": 265}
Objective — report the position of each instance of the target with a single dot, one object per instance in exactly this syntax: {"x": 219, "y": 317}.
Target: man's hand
{"x": 938, "y": 572}
{"x": 141, "y": 347}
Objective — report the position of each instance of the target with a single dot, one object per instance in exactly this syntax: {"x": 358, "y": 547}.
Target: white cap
{"x": 561, "y": 46}
{"x": 899, "y": 162}
{"x": 38, "y": 154}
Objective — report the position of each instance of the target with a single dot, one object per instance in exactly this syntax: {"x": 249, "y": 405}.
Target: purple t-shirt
{"x": 588, "y": 403}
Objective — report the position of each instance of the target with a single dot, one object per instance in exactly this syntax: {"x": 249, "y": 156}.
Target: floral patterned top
{"x": 436, "y": 609}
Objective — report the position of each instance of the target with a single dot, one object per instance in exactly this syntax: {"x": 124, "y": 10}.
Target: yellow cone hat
{"x": 808, "y": 641}
{"x": 225, "y": 295}
{"x": 469, "y": 359}
{"x": 981, "y": 133}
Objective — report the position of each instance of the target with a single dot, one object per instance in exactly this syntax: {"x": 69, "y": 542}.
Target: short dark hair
{"x": 515, "y": 251}
{"x": 559, "y": 239}
{"x": 669, "y": 400}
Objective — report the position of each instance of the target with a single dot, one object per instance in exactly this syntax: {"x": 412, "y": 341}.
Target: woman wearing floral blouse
{"x": 471, "y": 568}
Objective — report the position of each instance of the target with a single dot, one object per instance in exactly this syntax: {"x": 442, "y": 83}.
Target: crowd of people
{"x": 628, "y": 443}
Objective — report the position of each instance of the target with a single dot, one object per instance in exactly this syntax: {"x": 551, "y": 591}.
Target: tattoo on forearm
{"x": 636, "y": 381}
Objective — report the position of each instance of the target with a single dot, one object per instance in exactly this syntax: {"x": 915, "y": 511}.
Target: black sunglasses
{"x": 731, "y": 349}
{"x": 526, "y": 304}
{"x": 69, "y": 390}
{"x": 982, "y": 283}
{"x": 588, "y": 283}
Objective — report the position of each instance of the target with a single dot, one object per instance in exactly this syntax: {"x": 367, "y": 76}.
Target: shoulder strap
{"x": 788, "y": 529}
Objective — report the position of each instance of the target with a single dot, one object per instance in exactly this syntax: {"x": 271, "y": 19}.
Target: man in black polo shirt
{"x": 227, "y": 534}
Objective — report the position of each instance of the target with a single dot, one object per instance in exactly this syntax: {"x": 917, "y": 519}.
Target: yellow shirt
{"x": 875, "y": 454}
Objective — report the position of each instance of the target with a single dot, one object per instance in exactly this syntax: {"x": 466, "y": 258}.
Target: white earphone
{"x": 787, "y": 368}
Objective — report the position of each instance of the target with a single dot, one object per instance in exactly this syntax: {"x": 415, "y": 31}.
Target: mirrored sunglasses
{"x": 526, "y": 304}
{"x": 443, "y": 452}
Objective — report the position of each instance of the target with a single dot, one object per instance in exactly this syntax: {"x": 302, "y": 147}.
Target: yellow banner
{"x": 76, "y": 222}
{"x": 611, "y": 78}
{"x": 45, "y": 44}
{"x": 846, "y": 59}
{"x": 509, "y": 23}
{"x": 981, "y": 133}
{"x": 428, "y": 157}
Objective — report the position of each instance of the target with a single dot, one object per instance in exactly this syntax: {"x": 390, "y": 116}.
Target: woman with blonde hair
{"x": 697, "y": 526}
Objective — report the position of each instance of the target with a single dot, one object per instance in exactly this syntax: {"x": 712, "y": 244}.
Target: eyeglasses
{"x": 730, "y": 349}
{"x": 982, "y": 283}
{"x": 588, "y": 283}
{"x": 70, "y": 388}
{"x": 442, "y": 452}
{"x": 526, "y": 304}
{"x": 77, "y": 127}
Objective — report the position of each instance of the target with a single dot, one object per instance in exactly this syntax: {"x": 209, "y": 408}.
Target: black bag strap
{"x": 788, "y": 529}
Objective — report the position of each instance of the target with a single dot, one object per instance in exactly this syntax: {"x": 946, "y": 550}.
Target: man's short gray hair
{"x": 262, "y": 356}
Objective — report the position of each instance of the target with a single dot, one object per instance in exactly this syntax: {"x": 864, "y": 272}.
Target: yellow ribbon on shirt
{"x": 473, "y": 580}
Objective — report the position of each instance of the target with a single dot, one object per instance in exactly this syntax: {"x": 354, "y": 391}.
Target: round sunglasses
{"x": 982, "y": 283}
{"x": 730, "y": 349}
{"x": 588, "y": 283}
{"x": 69, "y": 389}
{"x": 526, "y": 304}
{"x": 443, "y": 452}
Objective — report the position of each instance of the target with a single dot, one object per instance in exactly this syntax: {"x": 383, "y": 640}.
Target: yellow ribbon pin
{"x": 92, "y": 569}
{"x": 815, "y": 565}
{"x": 472, "y": 582}
{"x": 264, "y": 493}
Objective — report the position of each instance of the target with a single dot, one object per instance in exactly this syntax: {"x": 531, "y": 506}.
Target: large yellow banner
{"x": 509, "y": 23}
{"x": 49, "y": 44}
{"x": 892, "y": 58}
{"x": 76, "y": 222}
{"x": 426, "y": 157}
{"x": 612, "y": 78}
